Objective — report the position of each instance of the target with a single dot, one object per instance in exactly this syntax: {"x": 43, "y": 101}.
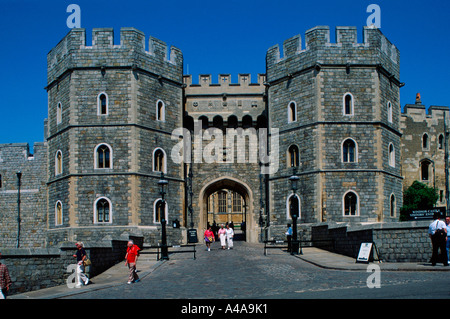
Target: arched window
{"x": 159, "y": 160}
{"x": 349, "y": 151}
{"x": 425, "y": 141}
{"x": 293, "y": 205}
{"x": 350, "y": 204}
{"x": 391, "y": 155}
{"x": 160, "y": 111}
{"x": 58, "y": 163}
{"x": 392, "y": 205}
{"x": 292, "y": 112}
{"x": 59, "y": 113}
{"x": 102, "y": 208}
{"x": 293, "y": 156}
{"x": 347, "y": 107}
{"x": 425, "y": 170}
{"x": 58, "y": 213}
{"x": 159, "y": 210}
{"x": 102, "y": 104}
{"x": 441, "y": 141}
{"x": 389, "y": 110}
{"x": 103, "y": 156}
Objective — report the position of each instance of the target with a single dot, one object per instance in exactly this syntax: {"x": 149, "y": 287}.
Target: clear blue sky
{"x": 230, "y": 36}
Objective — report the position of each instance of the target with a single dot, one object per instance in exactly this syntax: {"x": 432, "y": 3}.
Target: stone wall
{"x": 33, "y": 190}
{"x": 37, "y": 268}
{"x": 396, "y": 242}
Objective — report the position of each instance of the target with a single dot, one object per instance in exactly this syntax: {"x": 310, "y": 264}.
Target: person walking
{"x": 5, "y": 280}
{"x": 222, "y": 236}
{"x": 289, "y": 237}
{"x": 131, "y": 258}
{"x": 209, "y": 238}
{"x": 447, "y": 223}
{"x": 438, "y": 234}
{"x": 80, "y": 255}
{"x": 230, "y": 235}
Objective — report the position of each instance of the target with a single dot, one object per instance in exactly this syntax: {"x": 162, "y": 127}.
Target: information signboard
{"x": 364, "y": 253}
{"x": 421, "y": 214}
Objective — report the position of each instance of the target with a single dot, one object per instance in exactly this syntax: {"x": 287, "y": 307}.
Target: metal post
{"x": 19, "y": 176}
{"x": 294, "y": 210}
{"x": 164, "y": 252}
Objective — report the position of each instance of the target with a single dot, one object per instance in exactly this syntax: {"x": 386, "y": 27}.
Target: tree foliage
{"x": 418, "y": 196}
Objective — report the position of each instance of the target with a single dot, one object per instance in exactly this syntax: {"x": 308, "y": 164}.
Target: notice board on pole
{"x": 364, "y": 253}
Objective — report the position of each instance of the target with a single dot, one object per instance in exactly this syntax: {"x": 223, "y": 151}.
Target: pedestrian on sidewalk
{"x": 447, "y": 223}
{"x": 131, "y": 258}
{"x": 230, "y": 235}
{"x": 438, "y": 234}
{"x": 289, "y": 237}
{"x": 5, "y": 280}
{"x": 80, "y": 255}
{"x": 209, "y": 238}
{"x": 222, "y": 236}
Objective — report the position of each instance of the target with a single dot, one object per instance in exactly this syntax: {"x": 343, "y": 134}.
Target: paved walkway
{"x": 118, "y": 274}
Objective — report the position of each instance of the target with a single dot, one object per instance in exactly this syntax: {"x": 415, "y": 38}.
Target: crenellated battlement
{"x": 224, "y": 85}
{"x": 205, "y": 80}
{"x": 375, "y": 49}
{"x": 73, "y": 52}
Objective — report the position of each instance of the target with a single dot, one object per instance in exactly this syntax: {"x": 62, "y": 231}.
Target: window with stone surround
{"x": 103, "y": 156}
{"x": 159, "y": 160}
{"x": 292, "y": 112}
{"x": 59, "y": 113}
{"x": 349, "y": 151}
{"x": 58, "y": 213}
{"x": 441, "y": 142}
{"x": 425, "y": 169}
{"x": 159, "y": 210}
{"x": 392, "y": 205}
{"x": 293, "y": 156}
{"x": 350, "y": 204}
{"x": 160, "y": 111}
{"x": 293, "y": 205}
{"x": 58, "y": 163}
{"x": 102, "y": 104}
{"x": 347, "y": 104}
{"x": 103, "y": 211}
{"x": 391, "y": 155}
{"x": 389, "y": 110}
{"x": 425, "y": 142}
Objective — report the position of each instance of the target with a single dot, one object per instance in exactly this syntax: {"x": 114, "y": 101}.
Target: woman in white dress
{"x": 230, "y": 235}
{"x": 222, "y": 236}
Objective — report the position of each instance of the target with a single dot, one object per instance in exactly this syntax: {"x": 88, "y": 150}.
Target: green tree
{"x": 418, "y": 196}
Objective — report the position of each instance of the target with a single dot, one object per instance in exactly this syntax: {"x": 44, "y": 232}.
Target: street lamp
{"x": 294, "y": 213}
{"x": 19, "y": 176}
{"x": 162, "y": 184}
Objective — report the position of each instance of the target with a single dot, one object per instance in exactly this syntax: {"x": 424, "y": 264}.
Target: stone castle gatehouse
{"x": 120, "y": 115}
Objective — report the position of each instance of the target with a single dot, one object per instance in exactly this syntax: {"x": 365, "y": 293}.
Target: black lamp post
{"x": 294, "y": 213}
{"x": 191, "y": 194}
{"x": 162, "y": 183}
{"x": 19, "y": 176}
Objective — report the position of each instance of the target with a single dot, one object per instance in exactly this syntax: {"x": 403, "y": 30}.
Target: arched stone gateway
{"x": 228, "y": 199}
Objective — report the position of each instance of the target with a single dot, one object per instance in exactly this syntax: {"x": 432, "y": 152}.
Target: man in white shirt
{"x": 438, "y": 240}
{"x": 447, "y": 223}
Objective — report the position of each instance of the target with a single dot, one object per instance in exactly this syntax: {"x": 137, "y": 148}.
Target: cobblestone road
{"x": 245, "y": 273}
